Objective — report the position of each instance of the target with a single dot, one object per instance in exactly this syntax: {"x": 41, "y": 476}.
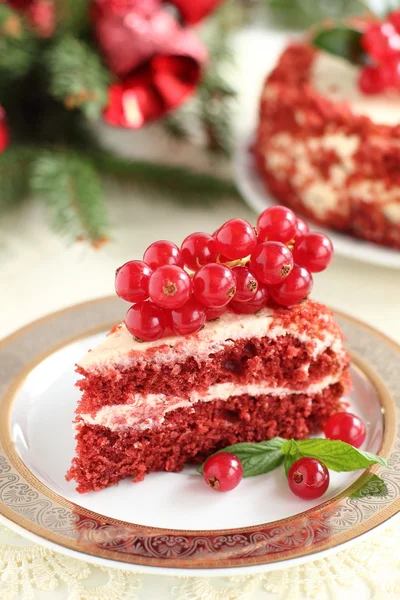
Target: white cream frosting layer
{"x": 121, "y": 349}
{"x": 145, "y": 412}
{"x": 337, "y": 79}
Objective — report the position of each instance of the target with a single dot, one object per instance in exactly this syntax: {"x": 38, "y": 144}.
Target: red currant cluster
{"x": 237, "y": 266}
{"x": 382, "y": 42}
{"x": 308, "y": 478}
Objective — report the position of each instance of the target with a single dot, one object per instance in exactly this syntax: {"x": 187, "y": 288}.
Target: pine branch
{"x": 18, "y": 46}
{"x": 183, "y": 183}
{"x": 72, "y": 191}
{"x": 72, "y": 15}
{"x": 77, "y": 76}
{"x": 15, "y": 168}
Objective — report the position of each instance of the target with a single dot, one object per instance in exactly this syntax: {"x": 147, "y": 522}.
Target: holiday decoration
{"x": 374, "y": 44}
{"x": 125, "y": 62}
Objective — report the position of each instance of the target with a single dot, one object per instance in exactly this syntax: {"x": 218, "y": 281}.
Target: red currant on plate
{"x": 170, "y": 287}
{"x": 251, "y": 306}
{"x": 271, "y": 262}
{"x": 162, "y": 253}
{"x": 214, "y": 285}
{"x": 235, "y": 239}
{"x": 346, "y": 427}
{"x": 198, "y": 249}
{"x": 314, "y": 252}
{"x": 246, "y": 284}
{"x": 277, "y": 224}
{"x": 308, "y": 478}
{"x": 146, "y": 321}
{"x": 380, "y": 41}
{"x": 189, "y": 318}
{"x": 223, "y": 472}
{"x": 132, "y": 281}
{"x": 297, "y": 286}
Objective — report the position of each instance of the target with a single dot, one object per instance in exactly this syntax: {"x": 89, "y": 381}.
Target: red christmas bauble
{"x": 157, "y": 60}
{"x": 4, "y": 131}
{"x": 40, "y": 14}
{"x": 193, "y": 11}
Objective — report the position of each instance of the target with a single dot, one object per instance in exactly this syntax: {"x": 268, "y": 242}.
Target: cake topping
{"x": 374, "y": 45}
{"x": 238, "y": 268}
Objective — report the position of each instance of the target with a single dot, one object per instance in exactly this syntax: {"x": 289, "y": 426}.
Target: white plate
{"x": 171, "y": 522}
{"x": 253, "y": 190}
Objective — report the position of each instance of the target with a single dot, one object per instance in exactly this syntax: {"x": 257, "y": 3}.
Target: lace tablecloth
{"x": 369, "y": 569}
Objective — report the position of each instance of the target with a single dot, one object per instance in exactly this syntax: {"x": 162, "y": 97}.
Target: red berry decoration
{"x": 271, "y": 262}
{"x": 381, "y": 41}
{"x": 346, "y": 427}
{"x": 277, "y": 224}
{"x": 301, "y": 229}
{"x": 223, "y": 472}
{"x": 132, "y": 281}
{"x": 235, "y": 239}
{"x": 214, "y": 285}
{"x": 371, "y": 80}
{"x": 189, "y": 318}
{"x": 214, "y": 313}
{"x": 251, "y": 306}
{"x": 4, "y": 131}
{"x": 246, "y": 284}
{"x": 170, "y": 287}
{"x": 297, "y": 286}
{"x": 163, "y": 253}
{"x": 146, "y": 321}
{"x": 314, "y": 252}
{"x": 308, "y": 478}
{"x": 394, "y": 19}
{"x": 198, "y": 249}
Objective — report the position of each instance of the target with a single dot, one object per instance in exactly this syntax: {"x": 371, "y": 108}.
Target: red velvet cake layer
{"x": 104, "y": 457}
{"x": 279, "y": 363}
{"x": 292, "y": 106}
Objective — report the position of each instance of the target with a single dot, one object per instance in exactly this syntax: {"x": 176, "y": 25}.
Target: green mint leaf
{"x": 373, "y": 487}
{"x": 341, "y": 41}
{"x": 337, "y": 455}
{"x": 257, "y": 458}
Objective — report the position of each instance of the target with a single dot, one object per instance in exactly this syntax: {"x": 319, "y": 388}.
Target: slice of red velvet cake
{"x": 151, "y": 406}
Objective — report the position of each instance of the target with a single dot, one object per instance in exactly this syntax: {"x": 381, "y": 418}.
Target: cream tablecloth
{"x": 39, "y": 273}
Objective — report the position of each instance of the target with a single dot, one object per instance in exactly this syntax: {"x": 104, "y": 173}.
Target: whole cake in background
{"x": 221, "y": 345}
{"x": 328, "y": 138}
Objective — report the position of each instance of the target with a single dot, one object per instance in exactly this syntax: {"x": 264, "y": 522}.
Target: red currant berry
{"x": 198, "y": 249}
{"x": 162, "y": 253}
{"x": 346, "y": 427}
{"x": 146, "y": 321}
{"x": 189, "y": 318}
{"x": 170, "y": 287}
{"x": 394, "y": 19}
{"x": 371, "y": 80}
{"x": 271, "y": 262}
{"x": 277, "y": 224}
{"x": 223, "y": 472}
{"x": 390, "y": 71}
{"x": 297, "y": 286}
{"x": 251, "y": 306}
{"x": 381, "y": 41}
{"x": 214, "y": 285}
{"x": 132, "y": 281}
{"x": 308, "y": 478}
{"x": 314, "y": 252}
{"x": 235, "y": 239}
{"x": 214, "y": 313}
{"x": 246, "y": 284}
{"x": 301, "y": 229}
